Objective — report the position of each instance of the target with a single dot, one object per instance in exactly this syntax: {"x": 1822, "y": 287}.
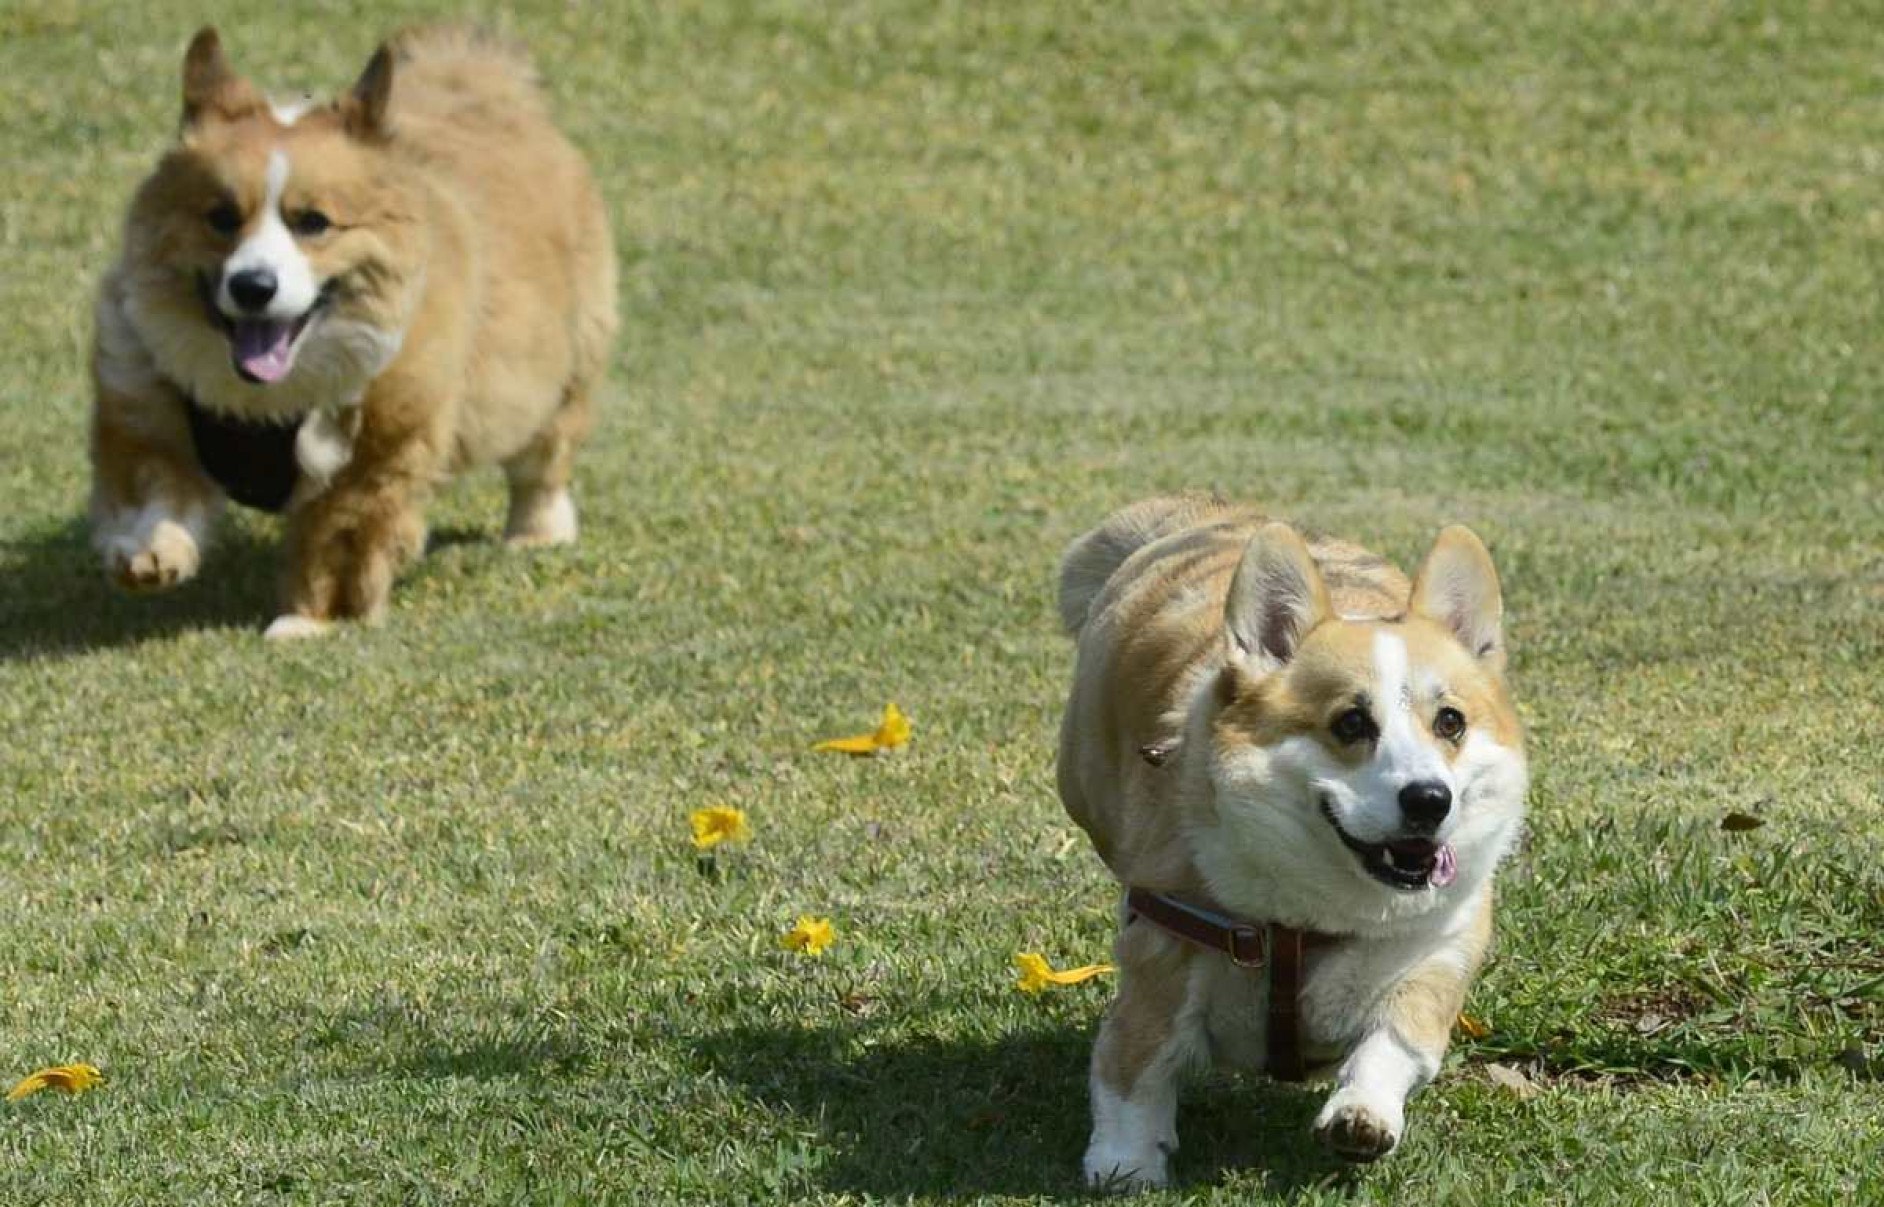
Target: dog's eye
{"x": 224, "y": 219}
{"x": 1449, "y": 723}
{"x": 309, "y": 223}
{"x": 1354, "y": 725}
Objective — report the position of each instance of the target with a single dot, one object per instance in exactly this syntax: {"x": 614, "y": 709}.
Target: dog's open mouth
{"x": 263, "y": 350}
{"x": 1406, "y": 863}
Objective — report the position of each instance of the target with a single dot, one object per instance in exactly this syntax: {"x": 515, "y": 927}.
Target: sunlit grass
{"x": 912, "y": 295}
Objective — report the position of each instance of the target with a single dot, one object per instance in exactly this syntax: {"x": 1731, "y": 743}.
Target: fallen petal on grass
{"x": 1036, "y": 974}
{"x": 73, "y": 1079}
{"x": 893, "y": 732}
{"x": 810, "y": 936}
{"x": 717, "y": 824}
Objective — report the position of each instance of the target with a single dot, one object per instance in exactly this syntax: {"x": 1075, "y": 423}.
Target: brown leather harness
{"x": 1249, "y": 945}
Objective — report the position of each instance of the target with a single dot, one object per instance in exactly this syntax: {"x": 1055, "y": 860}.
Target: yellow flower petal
{"x": 1033, "y": 971}
{"x": 810, "y": 936}
{"x": 717, "y": 824}
{"x": 73, "y": 1079}
{"x": 891, "y": 733}
{"x": 863, "y": 743}
{"x": 1085, "y": 972}
{"x": 1036, "y": 974}
{"x": 894, "y": 731}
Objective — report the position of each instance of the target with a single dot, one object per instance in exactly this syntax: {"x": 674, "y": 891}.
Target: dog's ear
{"x": 1276, "y": 597}
{"x": 211, "y": 86}
{"x": 1457, "y": 586}
{"x": 364, "y": 107}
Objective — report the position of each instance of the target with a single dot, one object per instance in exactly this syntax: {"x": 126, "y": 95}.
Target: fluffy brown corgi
{"x": 328, "y": 309}
{"x": 1304, "y": 769}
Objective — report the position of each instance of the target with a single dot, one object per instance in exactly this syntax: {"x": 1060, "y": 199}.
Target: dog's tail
{"x": 1090, "y": 561}
{"x": 462, "y": 71}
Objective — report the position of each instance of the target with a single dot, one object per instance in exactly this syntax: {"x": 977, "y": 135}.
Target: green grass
{"x": 912, "y": 295}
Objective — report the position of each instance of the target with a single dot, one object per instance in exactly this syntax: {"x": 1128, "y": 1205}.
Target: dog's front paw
{"x": 1357, "y": 1130}
{"x": 166, "y": 557}
{"x": 1113, "y": 1178}
{"x": 292, "y": 626}
{"x": 1110, "y": 1168}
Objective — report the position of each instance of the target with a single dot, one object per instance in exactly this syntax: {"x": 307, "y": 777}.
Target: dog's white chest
{"x": 324, "y": 444}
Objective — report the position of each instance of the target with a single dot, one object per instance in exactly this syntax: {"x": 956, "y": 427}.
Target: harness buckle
{"x": 1247, "y": 946}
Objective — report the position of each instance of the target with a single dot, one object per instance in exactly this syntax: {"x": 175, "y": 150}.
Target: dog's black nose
{"x": 252, "y": 288}
{"x": 1425, "y": 803}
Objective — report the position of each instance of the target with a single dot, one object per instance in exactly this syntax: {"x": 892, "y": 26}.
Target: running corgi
{"x": 1304, "y": 769}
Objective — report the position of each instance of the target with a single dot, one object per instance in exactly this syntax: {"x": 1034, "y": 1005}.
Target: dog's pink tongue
{"x": 264, "y": 350}
{"x": 1445, "y": 867}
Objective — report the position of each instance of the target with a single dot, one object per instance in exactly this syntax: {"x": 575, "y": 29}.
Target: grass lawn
{"x": 913, "y": 294}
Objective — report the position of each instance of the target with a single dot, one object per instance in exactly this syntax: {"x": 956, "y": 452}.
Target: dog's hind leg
{"x": 541, "y": 509}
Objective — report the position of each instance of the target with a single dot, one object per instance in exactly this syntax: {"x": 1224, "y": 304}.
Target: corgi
{"x": 327, "y": 309}
{"x": 1272, "y": 732}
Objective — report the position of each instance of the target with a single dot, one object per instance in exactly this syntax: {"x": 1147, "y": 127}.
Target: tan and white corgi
{"x": 1272, "y": 732}
{"x": 328, "y": 309}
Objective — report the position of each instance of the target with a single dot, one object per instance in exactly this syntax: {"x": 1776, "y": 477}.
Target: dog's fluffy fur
{"x": 441, "y": 295}
{"x": 1306, "y": 684}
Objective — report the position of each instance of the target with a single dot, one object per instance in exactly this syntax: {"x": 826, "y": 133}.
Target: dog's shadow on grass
{"x": 495, "y": 1059}
{"x": 949, "y": 1118}
{"x": 57, "y": 602}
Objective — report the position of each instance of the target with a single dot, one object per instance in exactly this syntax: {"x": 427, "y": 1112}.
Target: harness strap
{"x": 1285, "y": 1003}
{"x": 1270, "y": 945}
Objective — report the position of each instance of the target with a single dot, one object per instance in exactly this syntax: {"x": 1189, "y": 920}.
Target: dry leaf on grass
{"x": 1473, "y": 1028}
{"x": 1511, "y": 1080}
